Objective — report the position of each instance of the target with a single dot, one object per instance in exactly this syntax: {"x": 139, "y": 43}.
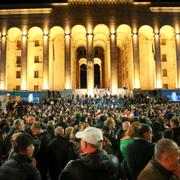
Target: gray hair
{"x": 164, "y": 145}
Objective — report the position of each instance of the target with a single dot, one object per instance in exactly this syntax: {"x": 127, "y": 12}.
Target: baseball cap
{"x": 90, "y": 135}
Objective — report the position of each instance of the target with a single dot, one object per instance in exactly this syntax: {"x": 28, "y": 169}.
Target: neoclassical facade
{"x": 86, "y": 44}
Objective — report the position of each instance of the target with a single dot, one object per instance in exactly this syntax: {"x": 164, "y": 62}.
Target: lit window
{"x": 165, "y": 86}
{"x": 164, "y": 72}
{"x": 18, "y": 74}
{"x": 163, "y": 41}
{"x": 163, "y": 58}
{"x": 36, "y": 74}
{"x": 36, "y": 43}
{"x": 18, "y": 45}
{"x": 36, "y": 87}
{"x": 36, "y": 59}
{"x": 18, "y": 61}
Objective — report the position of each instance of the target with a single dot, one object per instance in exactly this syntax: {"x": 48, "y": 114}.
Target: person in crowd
{"x": 18, "y": 126}
{"x": 127, "y": 139}
{"x": 20, "y": 165}
{"x": 107, "y": 145}
{"x": 175, "y": 125}
{"x": 168, "y": 133}
{"x": 94, "y": 163}
{"x": 59, "y": 153}
{"x": 165, "y": 163}
{"x": 140, "y": 151}
{"x": 41, "y": 139}
{"x": 111, "y": 124}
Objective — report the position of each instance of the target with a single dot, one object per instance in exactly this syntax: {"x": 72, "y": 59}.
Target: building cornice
{"x": 100, "y": 2}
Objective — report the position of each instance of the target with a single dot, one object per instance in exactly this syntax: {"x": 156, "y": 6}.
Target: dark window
{"x": 164, "y": 72}
{"x": 18, "y": 74}
{"x": 163, "y": 58}
{"x": 36, "y": 87}
{"x": 36, "y": 43}
{"x": 36, "y": 59}
{"x": 18, "y": 45}
{"x": 165, "y": 86}
{"x": 36, "y": 74}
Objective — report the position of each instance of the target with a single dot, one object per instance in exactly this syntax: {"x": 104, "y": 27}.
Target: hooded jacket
{"x": 97, "y": 166}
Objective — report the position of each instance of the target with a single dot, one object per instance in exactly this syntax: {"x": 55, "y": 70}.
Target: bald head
{"x": 59, "y": 131}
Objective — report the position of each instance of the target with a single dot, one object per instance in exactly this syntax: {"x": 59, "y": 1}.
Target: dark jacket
{"x": 139, "y": 153}
{"x": 97, "y": 166}
{"x": 154, "y": 171}
{"x": 19, "y": 167}
{"x": 59, "y": 153}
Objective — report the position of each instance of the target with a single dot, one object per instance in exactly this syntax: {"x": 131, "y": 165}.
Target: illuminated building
{"x": 90, "y": 43}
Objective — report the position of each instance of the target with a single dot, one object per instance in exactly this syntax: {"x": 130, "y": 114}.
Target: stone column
{"x": 3, "y": 63}
{"x": 158, "y": 60}
{"x": 90, "y": 64}
{"x": 68, "y": 84}
{"x": 178, "y": 59}
{"x": 136, "y": 60}
{"x": 24, "y": 63}
{"x": 114, "y": 63}
{"x": 45, "y": 62}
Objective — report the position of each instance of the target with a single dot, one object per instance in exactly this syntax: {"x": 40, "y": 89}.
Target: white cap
{"x": 90, "y": 135}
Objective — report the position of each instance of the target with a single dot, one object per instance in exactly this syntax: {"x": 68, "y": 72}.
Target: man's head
{"x": 167, "y": 153}
{"x": 18, "y": 124}
{"x": 175, "y": 122}
{"x": 36, "y": 129}
{"x": 59, "y": 131}
{"x": 144, "y": 131}
{"x": 91, "y": 136}
{"x": 23, "y": 144}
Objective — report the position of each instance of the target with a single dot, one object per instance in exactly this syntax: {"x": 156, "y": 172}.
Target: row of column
{"x": 90, "y": 63}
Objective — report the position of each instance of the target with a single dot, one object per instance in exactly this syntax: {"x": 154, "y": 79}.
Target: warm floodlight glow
{"x": 159, "y": 84}
{"x": 67, "y": 30}
{"x": 59, "y": 4}
{"x": 137, "y": 84}
{"x": 90, "y": 92}
{"x": 25, "y": 11}
{"x": 45, "y": 84}
{"x": 114, "y": 89}
{"x": 68, "y": 83}
{"x": 165, "y": 9}
{"x": 23, "y": 85}
{"x": 2, "y": 86}
{"x": 142, "y": 3}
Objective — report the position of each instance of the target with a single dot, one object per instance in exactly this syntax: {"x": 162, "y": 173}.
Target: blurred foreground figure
{"x": 94, "y": 162}
{"x": 165, "y": 164}
{"x": 21, "y": 165}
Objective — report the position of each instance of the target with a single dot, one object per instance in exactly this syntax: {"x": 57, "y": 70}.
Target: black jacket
{"x": 139, "y": 153}
{"x": 59, "y": 153}
{"x": 19, "y": 168}
{"x": 97, "y": 166}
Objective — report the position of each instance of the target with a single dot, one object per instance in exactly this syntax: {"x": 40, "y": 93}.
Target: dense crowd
{"x": 131, "y": 126}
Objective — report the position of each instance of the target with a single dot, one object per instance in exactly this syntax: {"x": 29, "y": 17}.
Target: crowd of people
{"x": 80, "y": 138}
